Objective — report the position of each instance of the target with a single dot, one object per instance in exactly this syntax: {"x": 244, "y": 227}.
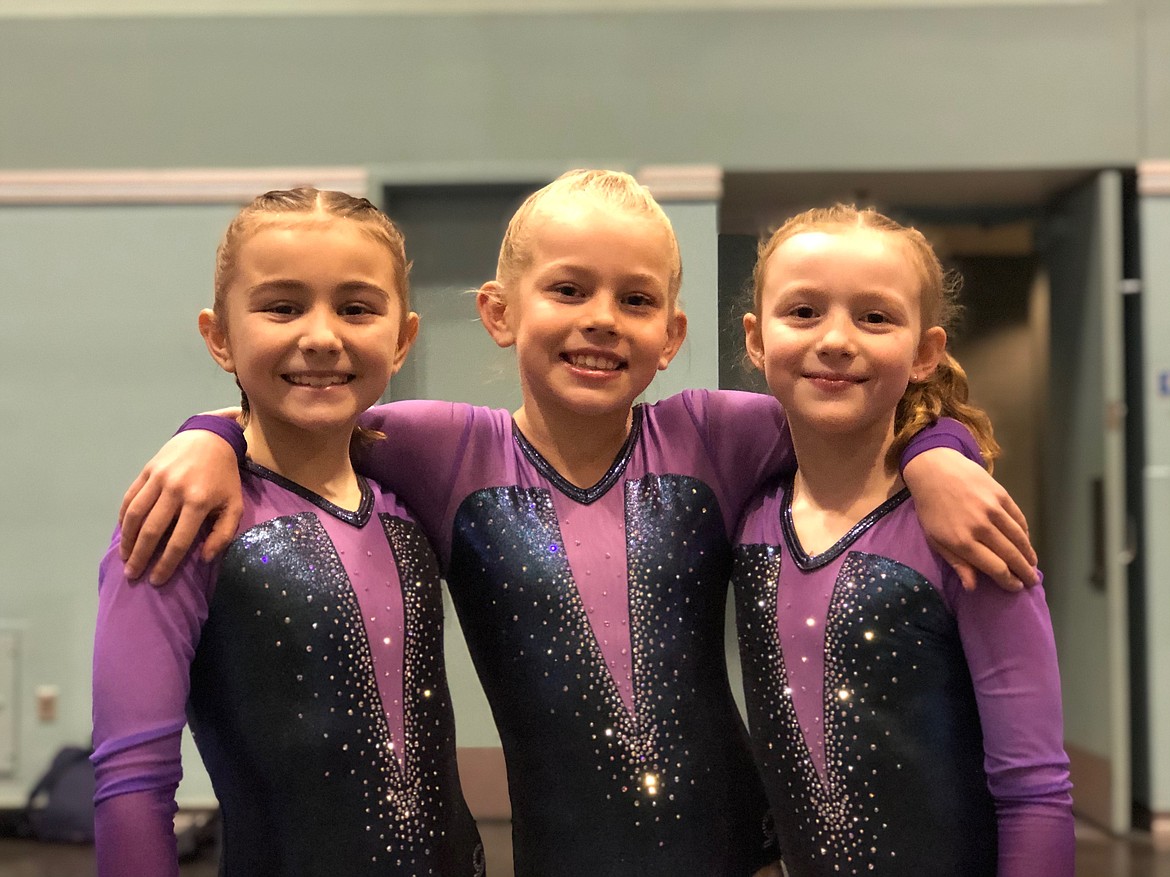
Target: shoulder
{"x": 719, "y": 408}
{"x": 899, "y": 536}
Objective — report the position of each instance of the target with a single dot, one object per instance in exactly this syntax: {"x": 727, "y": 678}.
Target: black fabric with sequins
{"x": 287, "y": 715}
{"x": 670, "y": 789}
{"x": 906, "y": 793}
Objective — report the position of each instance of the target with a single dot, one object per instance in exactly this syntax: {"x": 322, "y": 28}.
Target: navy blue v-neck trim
{"x": 809, "y": 562}
{"x": 357, "y": 518}
{"x": 583, "y": 495}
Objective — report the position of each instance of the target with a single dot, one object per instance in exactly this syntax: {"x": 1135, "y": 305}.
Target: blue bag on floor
{"x": 60, "y": 805}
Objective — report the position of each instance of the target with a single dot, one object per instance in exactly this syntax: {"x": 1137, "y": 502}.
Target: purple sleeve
{"x": 745, "y": 436}
{"x": 417, "y": 460}
{"x": 143, "y": 647}
{"x": 748, "y": 438}
{"x": 947, "y": 433}
{"x": 420, "y": 456}
{"x": 1007, "y": 639}
{"x": 224, "y": 427}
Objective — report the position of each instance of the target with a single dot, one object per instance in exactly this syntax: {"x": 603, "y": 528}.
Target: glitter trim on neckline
{"x": 808, "y": 562}
{"x": 583, "y": 495}
{"x": 356, "y": 518}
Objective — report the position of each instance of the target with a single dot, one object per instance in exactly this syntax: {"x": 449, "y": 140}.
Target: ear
{"x": 754, "y": 340}
{"x": 215, "y": 337}
{"x": 407, "y": 334}
{"x": 492, "y": 303}
{"x": 676, "y": 334}
{"x": 930, "y": 353}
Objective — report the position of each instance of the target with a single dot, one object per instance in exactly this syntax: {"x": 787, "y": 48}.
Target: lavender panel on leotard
{"x": 668, "y": 789}
{"x": 888, "y": 707}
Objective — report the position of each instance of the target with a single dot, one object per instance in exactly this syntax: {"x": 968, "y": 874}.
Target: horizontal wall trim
{"x": 171, "y": 185}
{"x": 1153, "y": 177}
{"x": 681, "y": 182}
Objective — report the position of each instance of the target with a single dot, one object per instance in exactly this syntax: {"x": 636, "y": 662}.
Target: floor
{"x": 1098, "y": 855}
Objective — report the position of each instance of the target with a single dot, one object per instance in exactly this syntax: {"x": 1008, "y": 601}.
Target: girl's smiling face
{"x": 839, "y": 333}
{"x": 592, "y": 314}
{"x": 313, "y": 326}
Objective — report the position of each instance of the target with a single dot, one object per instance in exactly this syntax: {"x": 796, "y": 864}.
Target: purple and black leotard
{"x": 902, "y": 724}
{"x": 308, "y": 660}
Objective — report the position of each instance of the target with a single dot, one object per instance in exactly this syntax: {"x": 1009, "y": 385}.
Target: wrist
{"x": 224, "y": 427}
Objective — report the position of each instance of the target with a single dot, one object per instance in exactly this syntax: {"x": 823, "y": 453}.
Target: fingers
{"x": 224, "y": 530}
{"x": 129, "y": 496}
{"x": 1015, "y": 527}
{"x": 1002, "y": 537}
{"x": 142, "y": 496}
{"x": 994, "y": 561}
{"x": 966, "y": 573}
{"x": 149, "y": 518}
{"x": 178, "y": 543}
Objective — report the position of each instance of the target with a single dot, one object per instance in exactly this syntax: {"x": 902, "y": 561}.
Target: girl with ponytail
{"x": 903, "y": 724}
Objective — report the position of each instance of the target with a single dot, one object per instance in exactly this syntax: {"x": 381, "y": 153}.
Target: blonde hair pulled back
{"x": 614, "y": 189}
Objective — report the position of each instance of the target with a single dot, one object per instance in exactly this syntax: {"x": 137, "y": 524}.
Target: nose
{"x": 837, "y": 338}
{"x": 601, "y": 313}
{"x": 320, "y": 333}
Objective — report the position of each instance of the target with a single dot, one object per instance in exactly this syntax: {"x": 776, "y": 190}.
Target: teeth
{"x": 601, "y": 363}
{"x": 317, "y": 380}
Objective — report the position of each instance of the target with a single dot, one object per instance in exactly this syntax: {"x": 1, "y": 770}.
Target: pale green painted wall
{"x": 975, "y": 86}
{"x": 101, "y": 361}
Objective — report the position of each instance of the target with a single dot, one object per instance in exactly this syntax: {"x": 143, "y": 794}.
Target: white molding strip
{"x": 1153, "y": 177}
{"x": 683, "y": 182}
{"x": 171, "y": 185}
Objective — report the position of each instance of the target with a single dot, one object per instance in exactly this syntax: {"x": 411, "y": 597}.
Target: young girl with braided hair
{"x": 308, "y": 659}
{"x": 586, "y": 542}
{"x": 903, "y": 725}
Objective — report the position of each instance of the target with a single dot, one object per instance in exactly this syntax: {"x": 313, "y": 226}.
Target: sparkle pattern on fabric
{"x": 315, "y": 750}
{"x": 667, "y": 788}
{"x": 904, "y": 792}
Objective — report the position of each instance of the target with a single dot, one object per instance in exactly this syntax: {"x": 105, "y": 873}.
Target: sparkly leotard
{"x": 309, "y": 663}
{"x": 903, "y": 725}
{"x": 595, "y": 618}
{"x": 595, "y": 621}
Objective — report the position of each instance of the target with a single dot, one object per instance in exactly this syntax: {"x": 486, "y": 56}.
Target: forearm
{"x": 1036, "y": 837}
{"x": 134, "y": 835}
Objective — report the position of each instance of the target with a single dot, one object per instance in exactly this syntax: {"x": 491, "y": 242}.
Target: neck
{"x": 580, "y": 447}
{"x": 839, "y": 480}
{"x": 317, "y": 461}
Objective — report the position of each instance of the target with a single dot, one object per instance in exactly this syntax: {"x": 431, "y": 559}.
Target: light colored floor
{"x": 1098, "y": 855}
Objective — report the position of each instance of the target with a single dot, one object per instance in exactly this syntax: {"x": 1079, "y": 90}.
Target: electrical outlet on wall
{"x": 47, "y": 697}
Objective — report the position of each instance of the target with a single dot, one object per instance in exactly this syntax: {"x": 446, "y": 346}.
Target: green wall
{"x": 1049, "y": 85}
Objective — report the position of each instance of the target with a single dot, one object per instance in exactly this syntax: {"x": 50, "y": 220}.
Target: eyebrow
{"x": 641, "y": 277}
{"x": 290, "y": 285}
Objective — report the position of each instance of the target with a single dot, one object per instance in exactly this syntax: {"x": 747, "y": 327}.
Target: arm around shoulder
{"x": 194, "y": 477}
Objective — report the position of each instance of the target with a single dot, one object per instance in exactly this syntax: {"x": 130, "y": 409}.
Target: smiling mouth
{"x": 593, "y": 362}
{"x": 834, "y": 378}
{"x": 318, "y": 381}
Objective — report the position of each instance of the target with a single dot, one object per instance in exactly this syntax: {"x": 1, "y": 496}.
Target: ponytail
{"x": 942, "y": 394}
